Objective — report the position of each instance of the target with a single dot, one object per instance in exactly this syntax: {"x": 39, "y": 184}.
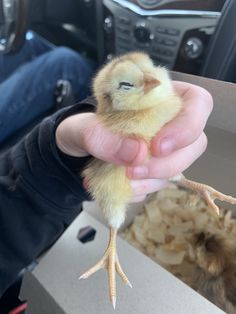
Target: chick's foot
{"x": 207, "y": 192}
{"x": 111, "y": 262}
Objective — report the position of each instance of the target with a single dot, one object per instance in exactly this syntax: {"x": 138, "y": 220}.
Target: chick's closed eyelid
{"x": 125, "y": 85}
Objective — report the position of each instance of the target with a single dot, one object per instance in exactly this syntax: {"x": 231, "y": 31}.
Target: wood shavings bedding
{"x": 181, "y": 233}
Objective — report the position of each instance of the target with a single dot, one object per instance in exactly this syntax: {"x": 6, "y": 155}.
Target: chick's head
{"x": 131, "y": 82}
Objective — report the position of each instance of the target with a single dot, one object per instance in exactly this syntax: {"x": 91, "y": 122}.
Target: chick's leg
{"x": 207, "y": 192}
{"x": 111, "y": 262}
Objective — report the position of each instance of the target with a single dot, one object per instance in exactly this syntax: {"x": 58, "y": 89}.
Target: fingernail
{"x": 128, "y": 150}
{"x": 140, "y": 172}
{"x": 166, "y": 146}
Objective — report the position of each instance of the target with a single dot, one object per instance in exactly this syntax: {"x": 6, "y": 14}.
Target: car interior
{"x": 191, "y": 36}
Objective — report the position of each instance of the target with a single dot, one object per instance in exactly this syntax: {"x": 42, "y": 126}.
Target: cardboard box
{"x": 53, "y": 287}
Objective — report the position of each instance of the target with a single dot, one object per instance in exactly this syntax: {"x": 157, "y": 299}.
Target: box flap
{"x": 224, "y": 96}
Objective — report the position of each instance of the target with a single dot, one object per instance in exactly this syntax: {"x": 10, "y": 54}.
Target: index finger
{"x": 189, "y": 123}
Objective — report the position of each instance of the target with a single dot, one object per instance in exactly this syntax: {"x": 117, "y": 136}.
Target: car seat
{"x": 220, "y": 63}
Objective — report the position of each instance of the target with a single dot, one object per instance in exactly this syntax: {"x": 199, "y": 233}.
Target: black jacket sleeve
{"x": 40, "y": 194}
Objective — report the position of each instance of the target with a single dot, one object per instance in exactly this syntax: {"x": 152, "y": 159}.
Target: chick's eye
{"x": 125, "y": 85}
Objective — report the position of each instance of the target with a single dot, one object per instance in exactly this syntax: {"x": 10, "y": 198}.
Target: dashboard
{"x": 176, "y": 33}
{"x": 209, "y": 5}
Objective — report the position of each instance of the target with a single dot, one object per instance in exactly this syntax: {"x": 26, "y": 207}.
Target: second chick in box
{"x": 180, "y": 232}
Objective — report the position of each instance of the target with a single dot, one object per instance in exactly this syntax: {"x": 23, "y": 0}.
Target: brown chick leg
{"x": 207, "y": 192}
{"x": 111, "y": 262}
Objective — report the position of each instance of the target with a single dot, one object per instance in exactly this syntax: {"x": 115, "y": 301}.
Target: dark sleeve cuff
{"x": 75, "y": 164}
{"x": 48, "y": 172}
{"x": 39, "y": 195}
{"x": 87, "y": 105}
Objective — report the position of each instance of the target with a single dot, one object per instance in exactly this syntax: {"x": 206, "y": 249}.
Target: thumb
{"x": 89, "y": 136}
{"x": 106, "y": 145}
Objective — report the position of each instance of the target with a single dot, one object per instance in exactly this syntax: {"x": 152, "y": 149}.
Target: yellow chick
{"x": 134, "y": 97}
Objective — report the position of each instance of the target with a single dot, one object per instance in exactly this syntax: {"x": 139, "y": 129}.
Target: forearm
{"x": 41, "y": 192}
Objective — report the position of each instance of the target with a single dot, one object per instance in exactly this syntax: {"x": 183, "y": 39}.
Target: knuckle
{"x": 204, "y": 142}
{"x": 167, "y": 169}
{"x": 92, "y": 138}
{"x": 191, "y": 134}
{"x": 88, "y": 136}
{"x": 208, "y": 99}
{"x": 188, "y": 136}
{"x": 173, "y": 169}
{"x": 139, "y": 188}
{"x": 138, "y": 199}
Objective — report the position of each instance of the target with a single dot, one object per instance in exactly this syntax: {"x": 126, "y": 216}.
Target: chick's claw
{"x": 207, "y": 192}
{"x": 111, "y": 262}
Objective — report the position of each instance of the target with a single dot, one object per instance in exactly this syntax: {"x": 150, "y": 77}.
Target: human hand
{"x": 82, "y": 134}
{"x": 180, "y": 142}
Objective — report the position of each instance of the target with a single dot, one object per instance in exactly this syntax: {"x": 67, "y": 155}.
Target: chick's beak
{"x": 150, "y": 82}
